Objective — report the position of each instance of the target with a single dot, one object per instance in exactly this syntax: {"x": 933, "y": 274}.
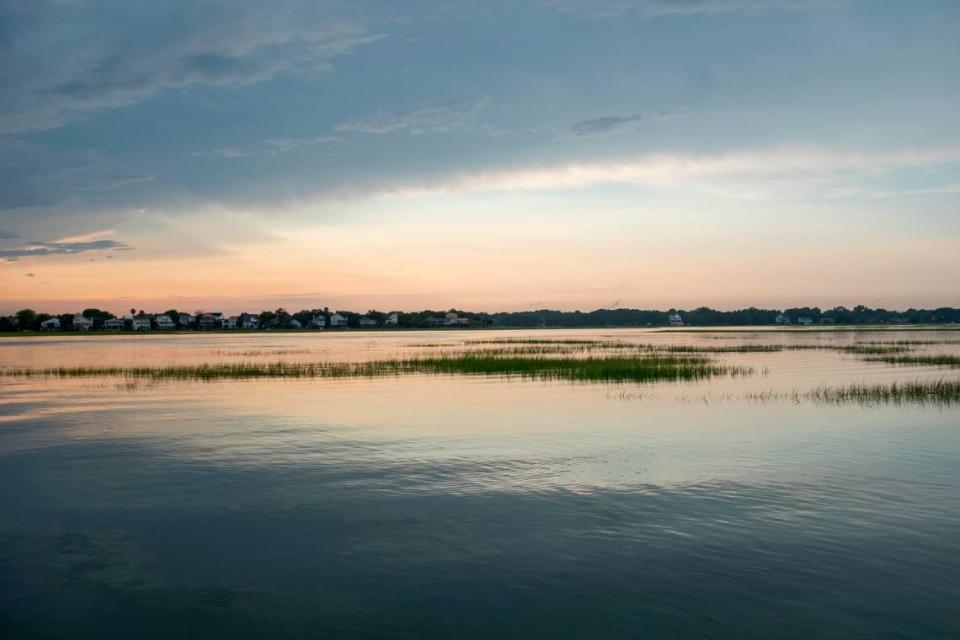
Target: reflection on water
{"x": 470, "y": 507}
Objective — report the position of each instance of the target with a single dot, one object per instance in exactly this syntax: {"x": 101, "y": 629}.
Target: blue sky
{"x": 484, "y": 154}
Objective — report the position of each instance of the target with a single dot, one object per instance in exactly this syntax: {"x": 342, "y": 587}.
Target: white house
{"x": 367, "y": 322}
{"x": 53, "y": 324}
{"x": 295, "y": 324}
{"x": 319, "y": 322}
{"x": 782, "y": 319}
{"x": 805, "y": 320}
{"x": 81, "y": 323}
{"x": 249, "y": 321}
{"x": 141, "y": 322}
{"x": 228, "y": 322}
{"x": 452, "y": 319}
{"x": 164, "y": 322}
{"x": 186, "y": 319}
{"x": 113, "y": 324}
{"x": 675, "y": 320}
{"x": 337, "y": 320}
{"x": 392, "y": 320}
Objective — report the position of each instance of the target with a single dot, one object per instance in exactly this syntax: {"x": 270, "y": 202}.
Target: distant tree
{"x": 174, "y": 315}
{"x": 26, "y": 318}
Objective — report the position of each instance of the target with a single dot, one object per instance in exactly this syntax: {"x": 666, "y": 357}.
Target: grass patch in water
{"x": 933, "y": 360}
{"x": 649, "y": 367}
{"x": 940, "y": 392}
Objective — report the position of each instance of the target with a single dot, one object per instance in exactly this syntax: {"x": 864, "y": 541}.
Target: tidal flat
{"x": 579, "y": 483}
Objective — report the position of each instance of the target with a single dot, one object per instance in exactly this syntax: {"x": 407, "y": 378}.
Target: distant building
{"x": 140, "y": 322}
{"x": 186, "y": 319}
{"x": 229, "y": 323}
{"x": 295, "y": 324}
{"x": 367, "y": 322}
{"x": 164, "y": 322}
{"x": 81, "y": 323}
{"x": 319, "y": 321}
{"x": 209, "y": 320}
{"x": 337, "y": 320}
{"x": 392, "y": 320}
{"x": 434, "y": 321}
{"x": 113, "y": 324}
{"x": 781, "y": 319}
{"x": 452, "y": 319}
{"x": 675, "y": 320}
{"x": 249, "y": 321}
{"x": 53, "y": 324}
{"x": 805, "y": 320}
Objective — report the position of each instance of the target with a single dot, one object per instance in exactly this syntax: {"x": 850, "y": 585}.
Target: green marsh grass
{"x": 648, "y": 367}
{"x": 933, "y": 360}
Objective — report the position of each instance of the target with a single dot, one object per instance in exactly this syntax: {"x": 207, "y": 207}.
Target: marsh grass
{"x": 940, "y": 392}
{"x": 650, "y": 367}
{"x": 933, "y": 360}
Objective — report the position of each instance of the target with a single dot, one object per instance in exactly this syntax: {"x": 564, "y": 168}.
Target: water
{"x": 436, "y": 507}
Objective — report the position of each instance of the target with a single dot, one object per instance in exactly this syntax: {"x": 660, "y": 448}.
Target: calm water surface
{"x": 455, "y": 507}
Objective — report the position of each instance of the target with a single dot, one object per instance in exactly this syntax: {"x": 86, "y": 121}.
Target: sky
{"x": 484, "y": 155}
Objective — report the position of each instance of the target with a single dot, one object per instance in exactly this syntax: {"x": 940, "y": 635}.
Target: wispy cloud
{"x": 671, "y": 170}
{"x": 290, "y": 144}
{"x": 58, "y": 75}
{"x": 653, "y": 8}
{"x": 613, "y": 124}
{"x": 442, "y": 116}
{"x": 41, "y": 249}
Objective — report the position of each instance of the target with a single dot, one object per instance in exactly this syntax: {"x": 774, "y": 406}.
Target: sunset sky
{"x": 242, "y": 154}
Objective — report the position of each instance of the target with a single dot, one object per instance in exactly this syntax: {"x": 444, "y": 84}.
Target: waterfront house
{"x": 337, "y": 320}
{"x": 434, "y": 321}
{"x": 140, "y": 322}
{"x": 229, "y": 322}
{"x": 113, "y": 324}
{"x": 319, "y": 322}
{"x": 81, "y": 323}
{"x": 53, "y": 324}
{"x": 805, "y": 320}
{"x": 249, "y": 321}
{"x": 186, "y": 319}
{"x": 295, "y": 324}
{"x": 209, "y": 320}
{"x": 367, "y": 322}
{"x": 675, "y": 320}
{"x": 392, "y": 320}
{"x": 452, "y": 319}
{"x": 782, "y": 319}
{"x": 164, "y": 322}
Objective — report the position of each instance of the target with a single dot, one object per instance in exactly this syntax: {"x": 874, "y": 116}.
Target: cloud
{"x": 289, "y": 144}
{"x": 67, "y": 60}
{"x": 611, "y": 124}
{"x": 654, "y": 8}
{"x": 33, "y": 175}
{"x": 442, "y": 116}
{"x": 691, "y": 170}
{"x": 30, "y": 275}
{"x": 40, "y": 249}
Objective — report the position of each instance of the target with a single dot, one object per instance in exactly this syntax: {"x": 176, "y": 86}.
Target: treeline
{"x": 30, "y": 320}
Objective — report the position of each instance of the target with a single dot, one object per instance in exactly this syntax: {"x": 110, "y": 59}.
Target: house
{"x": 675, "y": 320}
{"x": 209, "y": 320}
{"x": 249, "y": 321}
{"x": 782, "y": 319}
{"x": 805, "y": 320}
{"x": 453, "y": 319}
{"x": 53, "y": 324}
{"x": 392, "y": 320}
{"x": 186, "y": 319}
{"x": 164, "y": 322}
{"x": 113, "y": 324}
{"x": 81, "y": 323}
{"x": 367, "y": 322}
{"x": 229, "y": 323}
{"x": 337, "y": 320}
{"x": 434, "y": 321}
{"x": 319, "y": 322}
{"x": 295, "y": 324}
{"x": 140, "y": 322}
